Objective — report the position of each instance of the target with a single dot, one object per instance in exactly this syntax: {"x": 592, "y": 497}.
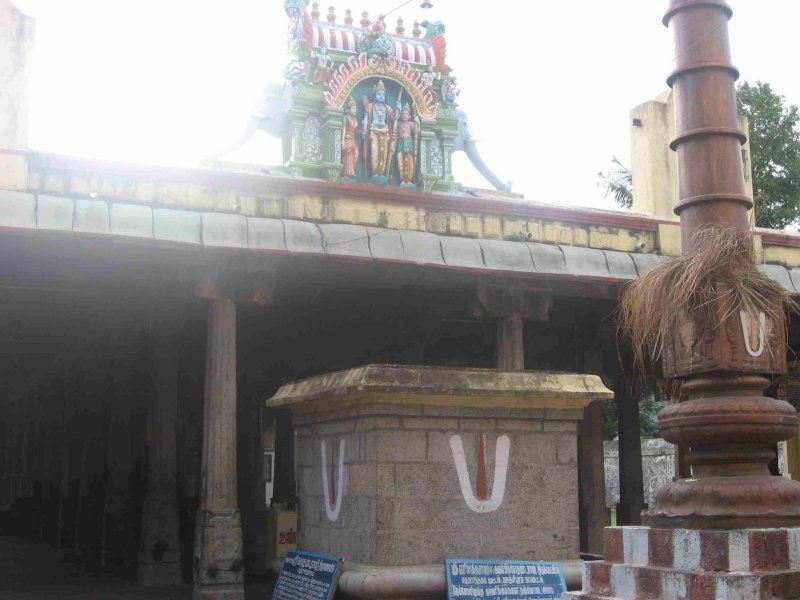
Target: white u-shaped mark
{"x": 762, "y": 327}
{"x": 500, "y": 470}
{"x": 332, "y": 510}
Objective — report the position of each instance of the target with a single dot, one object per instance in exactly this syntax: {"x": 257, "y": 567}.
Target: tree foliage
{"x": 775, "y": 153}
{"x": 618, "y": 182}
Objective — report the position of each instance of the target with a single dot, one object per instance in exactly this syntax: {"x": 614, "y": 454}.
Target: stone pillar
{"x": 91, "y": 487}
{"x": 431, "y": 164}
{"x": 448, "y": 137}
{"x": 65, "y": 452}
{"x": 594, "y": 514}
{"x": 298, "y": 159}
{"x": 510, "y": 351}
{"x": 218, "y": 569}
{"x": 331, "y": 130}
{"x": 118, "y": 537}
{"x": 159, "y": 548}
{"x": 7, "y": 476}
{"x": 446, "y": 130}
{"x": 51, "y": 463}
{"x": 510, "y": 305}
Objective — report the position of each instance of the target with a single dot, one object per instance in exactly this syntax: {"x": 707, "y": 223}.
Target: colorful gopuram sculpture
{"x": 361, "y": 105}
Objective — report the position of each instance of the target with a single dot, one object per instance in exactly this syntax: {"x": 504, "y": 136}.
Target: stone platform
{"x": 401, "y": 466}
{"x": 681, "y": 564}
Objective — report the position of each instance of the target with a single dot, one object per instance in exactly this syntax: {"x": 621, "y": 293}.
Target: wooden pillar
{"x": 631, "y": 484}
{"x": 159, "y": 548}
{"x": 509, "y": 349}
{"x": 218, "y": 564}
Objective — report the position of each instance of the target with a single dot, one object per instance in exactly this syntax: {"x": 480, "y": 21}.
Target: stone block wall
{"x": 402, "y": 503}
{"x": 658, "y": 468}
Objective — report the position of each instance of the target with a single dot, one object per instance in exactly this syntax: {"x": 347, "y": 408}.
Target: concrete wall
{"x": 16, "y": 56}
{"x": 654, "y": 166}
{"x": 402, "y": 504}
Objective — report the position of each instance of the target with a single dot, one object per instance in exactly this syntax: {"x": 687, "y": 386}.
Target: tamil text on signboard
{"x": 307, "y": 576}
{"x": 503, "y": 580}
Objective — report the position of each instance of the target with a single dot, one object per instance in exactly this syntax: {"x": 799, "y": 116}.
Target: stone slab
{"x": 302, "y": 237}
{"x": 224, "y": 230}
{"x": 462, "y": 252}
{"x": 91, "y": 216}
{"x": 644, "y": 262}
{"x": 345, "y": 240}
{"x": 385, "y": 243}
{"x": 421, "y": 247}
{"x": 507, "y": 256}
{"x": 265, "y": 234}
{"x": 779, "y": 274}
{"x": 131, "y": 220}
{"x": 54, "y": 212}
{"x": 442, "y": 385}
{"x": 547, "y": 258}
{"x": 177, "y": 226}
{"x": 585, "y": 261}
{"x": 620, "y": 264}
{"x": 17, "y": 209}
{"x": 795, "y": 275}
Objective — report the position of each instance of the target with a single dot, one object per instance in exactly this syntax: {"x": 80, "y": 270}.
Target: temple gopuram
{"x": 348, "y": 353}
{"x": 359, "y": 104}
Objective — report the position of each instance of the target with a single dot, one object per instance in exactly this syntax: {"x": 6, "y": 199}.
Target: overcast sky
{"x": 548, "y": 85}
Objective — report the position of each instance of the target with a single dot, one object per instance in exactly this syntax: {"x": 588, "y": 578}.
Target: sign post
{"x": 507, "y": 579}
{"x": 307, "y": 576}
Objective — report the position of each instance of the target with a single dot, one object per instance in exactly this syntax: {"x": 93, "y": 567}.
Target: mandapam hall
{"x": 352, "y": 335}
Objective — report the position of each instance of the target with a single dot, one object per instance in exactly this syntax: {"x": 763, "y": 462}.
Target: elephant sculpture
{"x": 466, "y": 142}
{"x": 270, "y": 115}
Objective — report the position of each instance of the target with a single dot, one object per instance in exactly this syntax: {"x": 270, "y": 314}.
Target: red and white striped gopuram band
{"x": 344, "y": 38}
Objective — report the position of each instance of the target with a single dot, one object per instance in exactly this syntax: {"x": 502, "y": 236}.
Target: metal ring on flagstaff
{"x": 705, "y": 132}
{"x": 690, "y": 4}
{"x": 703, "y": 198}
{"x": 700, "y": 66}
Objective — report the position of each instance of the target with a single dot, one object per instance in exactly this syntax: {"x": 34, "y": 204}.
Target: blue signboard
{"x": 503, "y": 580}
{"x": 307, "y": 576}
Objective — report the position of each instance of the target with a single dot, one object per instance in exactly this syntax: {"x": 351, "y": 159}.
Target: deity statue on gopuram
{"x": 362, "y": 104}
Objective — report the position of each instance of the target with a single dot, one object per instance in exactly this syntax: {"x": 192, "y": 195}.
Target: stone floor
{"x": 31, "y": 570}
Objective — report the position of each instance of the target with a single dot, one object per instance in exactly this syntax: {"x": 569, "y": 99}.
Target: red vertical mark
{"x": 333, "y": 472}
{"x": 481, "y": 493}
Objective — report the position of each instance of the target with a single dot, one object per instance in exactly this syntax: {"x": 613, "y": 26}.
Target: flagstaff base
{"x": 685, "y": 564}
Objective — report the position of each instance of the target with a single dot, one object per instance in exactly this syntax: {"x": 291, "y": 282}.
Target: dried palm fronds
{"x": 722, "y": 262}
